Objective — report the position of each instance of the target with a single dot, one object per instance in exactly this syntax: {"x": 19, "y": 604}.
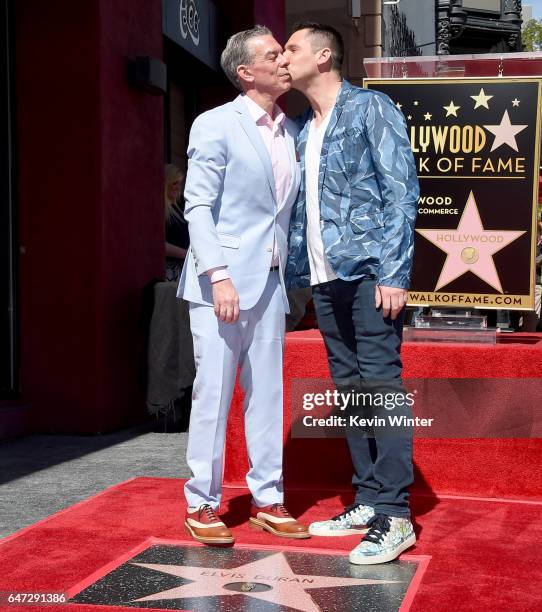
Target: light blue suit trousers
{"x": 256, "y": 343}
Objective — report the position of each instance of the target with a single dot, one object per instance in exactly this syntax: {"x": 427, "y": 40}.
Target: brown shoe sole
{"x": 205, "y": 540}
{"x": 262, "y": 525}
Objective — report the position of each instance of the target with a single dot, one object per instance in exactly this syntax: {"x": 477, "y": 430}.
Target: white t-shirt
{"x": 321, "y": 271}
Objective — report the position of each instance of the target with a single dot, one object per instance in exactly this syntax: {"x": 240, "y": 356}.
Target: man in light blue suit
{"x": 241, "y": 183}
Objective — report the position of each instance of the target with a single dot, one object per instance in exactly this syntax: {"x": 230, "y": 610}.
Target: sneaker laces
{"x": 379, "y": 525}
{"x": 209, "y": 513}
{"x": 281, "y": 509}
{"x": 347, "y": 511}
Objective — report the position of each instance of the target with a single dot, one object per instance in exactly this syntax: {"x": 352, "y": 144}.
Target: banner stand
{"x": 443, "y": 326}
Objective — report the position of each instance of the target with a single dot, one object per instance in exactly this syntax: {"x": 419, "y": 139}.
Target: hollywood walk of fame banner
{"x": 476, "y": 143}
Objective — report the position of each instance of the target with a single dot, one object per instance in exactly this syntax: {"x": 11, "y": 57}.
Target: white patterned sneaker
{"x": 386, "y": 539}
{"x": 350, "y": 521}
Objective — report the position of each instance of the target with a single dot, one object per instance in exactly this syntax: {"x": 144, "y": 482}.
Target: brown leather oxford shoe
{"x": 277, "y": 520}
{"x": 205, "y": 526}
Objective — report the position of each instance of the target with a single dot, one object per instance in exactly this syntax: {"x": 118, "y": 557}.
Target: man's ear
{"x": 324, "y": 56}
{"x": 244, "y": 73}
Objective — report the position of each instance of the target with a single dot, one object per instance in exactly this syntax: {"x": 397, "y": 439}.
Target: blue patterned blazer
{"x": 368, "y": 193}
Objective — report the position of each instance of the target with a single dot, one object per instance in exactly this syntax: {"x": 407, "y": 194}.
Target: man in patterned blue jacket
{"x": 351, "y": 239}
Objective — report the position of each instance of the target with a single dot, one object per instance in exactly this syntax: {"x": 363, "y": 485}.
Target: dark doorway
{"x": 8, "y": 337}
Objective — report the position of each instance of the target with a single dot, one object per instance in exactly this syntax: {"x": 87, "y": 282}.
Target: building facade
{"x": 399, "y": 28}
{"x": 82, "y": 201}
{"x": 444, "y": 27}
{"x": 478, "y": 26}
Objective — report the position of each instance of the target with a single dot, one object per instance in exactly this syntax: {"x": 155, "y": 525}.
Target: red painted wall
{"x": 272, "y": 15}
{"x": 91, "y": 207}
{"x": 90, "y": 166}
{"x": 243, "y": 14}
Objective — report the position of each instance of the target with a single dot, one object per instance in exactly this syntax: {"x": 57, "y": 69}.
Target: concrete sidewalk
{"x": 40, "y": 475}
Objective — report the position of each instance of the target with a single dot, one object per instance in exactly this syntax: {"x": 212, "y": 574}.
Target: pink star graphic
{"x": 470, "y": 247}
{"x": 505, "y": 132}
{"x": 287, "y": 588}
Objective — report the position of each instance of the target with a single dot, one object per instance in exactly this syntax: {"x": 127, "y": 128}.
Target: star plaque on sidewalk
{"x": 173, "y": 577}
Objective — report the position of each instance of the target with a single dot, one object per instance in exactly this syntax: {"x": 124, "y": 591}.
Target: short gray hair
{"x": 237, "y": 52}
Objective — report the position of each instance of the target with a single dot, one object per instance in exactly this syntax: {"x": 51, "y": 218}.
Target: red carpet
{"x": 485, "y": 555}
{"x": 507, "y": 467}
{"x": 477, "y": 503}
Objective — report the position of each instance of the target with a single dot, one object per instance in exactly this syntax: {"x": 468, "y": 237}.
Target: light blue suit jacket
{"x": 231, "y": 205}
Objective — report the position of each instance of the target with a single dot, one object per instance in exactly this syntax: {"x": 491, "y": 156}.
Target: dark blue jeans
{"x": 363, "y": 349}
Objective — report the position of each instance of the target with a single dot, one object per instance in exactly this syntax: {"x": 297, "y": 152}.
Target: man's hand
{"x": 392, "y": 300}
{"x": 226, "y": 301}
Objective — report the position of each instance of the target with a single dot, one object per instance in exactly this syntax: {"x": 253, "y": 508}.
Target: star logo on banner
{"x": 470, "y": 247}
{"x": 285, "y": 588}
{"x": 399, "y": 105}
{"x": 515, "y": 102}
{"x": 505, "y": 132}
{"x": 481, "y": 100}
{"x": 451, "y": 109}
{"x": 427, "y": 116}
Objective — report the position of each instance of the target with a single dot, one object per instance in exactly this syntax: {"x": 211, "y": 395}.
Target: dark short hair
{"x": 328, "y": 36}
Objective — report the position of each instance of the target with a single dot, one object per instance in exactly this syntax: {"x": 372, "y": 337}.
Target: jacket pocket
{"x": 229, "y": 241}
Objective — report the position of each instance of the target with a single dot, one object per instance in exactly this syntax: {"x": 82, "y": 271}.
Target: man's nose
{"x": 284, "y": 61}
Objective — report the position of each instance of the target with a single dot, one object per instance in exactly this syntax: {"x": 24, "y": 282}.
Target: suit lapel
{"x": 248, "y": 125}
